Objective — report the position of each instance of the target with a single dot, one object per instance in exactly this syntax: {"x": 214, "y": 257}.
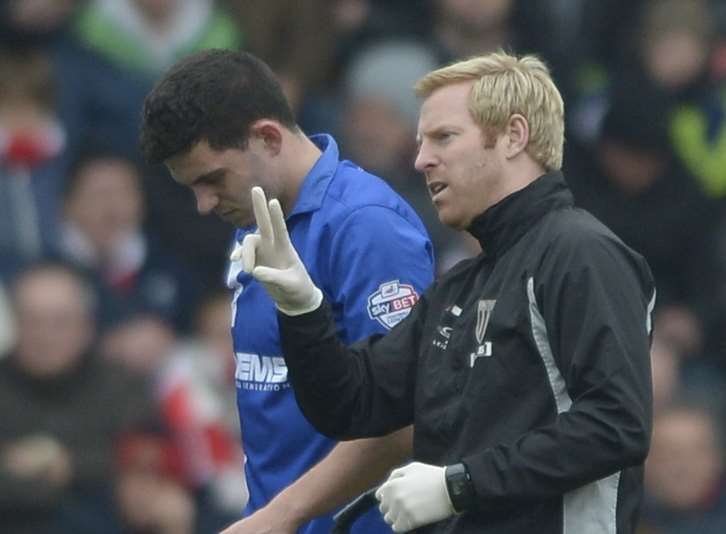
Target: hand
{"x": 270, "y": 257}
{"x": 173, "y": 510}
{"x": 413, "y": 496}
{"x": 39, "y": 456}
{"x": 265, "y": 521}
{"x": 150, "y": 502}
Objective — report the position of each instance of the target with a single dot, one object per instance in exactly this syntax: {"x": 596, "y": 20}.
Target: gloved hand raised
{"x": 413, "y": 496}
{"x": 269, "y": 256}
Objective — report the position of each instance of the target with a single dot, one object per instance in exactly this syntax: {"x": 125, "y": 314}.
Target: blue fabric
{"x": 369, "y": 253}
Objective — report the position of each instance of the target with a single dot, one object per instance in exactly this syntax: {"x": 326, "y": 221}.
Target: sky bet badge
{"x": 484, "y": 313}
{"x": 391, "y": 303}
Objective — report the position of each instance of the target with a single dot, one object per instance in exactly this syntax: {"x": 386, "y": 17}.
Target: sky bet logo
{"x": 391, "y": 303}
{"x": 260, "y": 373}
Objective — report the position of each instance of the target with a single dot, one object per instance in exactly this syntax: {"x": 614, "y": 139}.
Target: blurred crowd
{"x": 116, "y": 384}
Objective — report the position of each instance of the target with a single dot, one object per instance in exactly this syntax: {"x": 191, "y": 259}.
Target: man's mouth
{"x": 226, "y": 213}
{"x": 436, "y": 187}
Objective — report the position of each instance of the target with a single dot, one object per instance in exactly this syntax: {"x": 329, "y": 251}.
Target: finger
{"x": 392, "y": 517}
{"x": 402, "y": 524}
{"x": 383, "y": 505}
{"x": 262, "y": 213}
{"x": 383, "y": 508}
{"x": 388, "y": 518}
{"x": 248, "y": 252}
{"x": 267, "y": 275}
{"x": 279, "y": 227}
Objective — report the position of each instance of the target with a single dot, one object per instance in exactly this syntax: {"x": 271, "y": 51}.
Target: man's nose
{"x": 206, "y": 201}
{"x": 424, "y": 159}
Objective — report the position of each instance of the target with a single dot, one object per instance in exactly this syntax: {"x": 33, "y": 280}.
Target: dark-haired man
{"x": 221, "y": 124}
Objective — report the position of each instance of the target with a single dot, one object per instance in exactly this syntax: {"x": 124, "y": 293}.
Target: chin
{"x": 453, "y": 222}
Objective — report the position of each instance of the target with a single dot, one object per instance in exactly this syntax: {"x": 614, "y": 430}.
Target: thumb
{"x": 248, "y": 251}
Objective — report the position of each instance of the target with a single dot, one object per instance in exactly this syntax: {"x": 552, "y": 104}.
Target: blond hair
{"x": 504, "y": 85}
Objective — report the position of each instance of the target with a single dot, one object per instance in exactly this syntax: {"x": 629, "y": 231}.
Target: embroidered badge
{"x": 391, "y": 303}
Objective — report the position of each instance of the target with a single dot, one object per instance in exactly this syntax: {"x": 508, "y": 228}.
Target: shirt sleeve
{"x": 379, "y": 264}
{"x": 364, "y": 390}
{"x": 592, "y": 308}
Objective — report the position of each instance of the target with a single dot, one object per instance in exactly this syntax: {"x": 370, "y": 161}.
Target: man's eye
{"x": 212, "y": 180}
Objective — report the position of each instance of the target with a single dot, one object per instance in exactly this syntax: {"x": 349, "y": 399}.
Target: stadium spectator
{"x": 149, "y": 36}
{"x": 684, "y": 474}
{"x": 62, "y": 410}
{"x": 302, "y": 59}
{"x": 193, "y": 386}
{"x": 32, "y": 163}
{"x": 150, "y": 492}
{"x": 634, "y": 185}
{"x": 101, "y": 231}
{"x": 379, "y": 130}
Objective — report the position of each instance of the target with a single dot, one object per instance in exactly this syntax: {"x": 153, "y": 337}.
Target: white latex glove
{"x": 269, "y": 256}
{"x": 413, "y": 496}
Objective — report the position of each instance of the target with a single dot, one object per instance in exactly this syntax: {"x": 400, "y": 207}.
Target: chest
{"x": 481, "y": 374}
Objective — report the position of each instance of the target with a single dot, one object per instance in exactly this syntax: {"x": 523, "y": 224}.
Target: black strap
{"x": 353, "y": 510}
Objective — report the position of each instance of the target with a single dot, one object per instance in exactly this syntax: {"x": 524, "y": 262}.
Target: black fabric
{"x": 486, "y": 396}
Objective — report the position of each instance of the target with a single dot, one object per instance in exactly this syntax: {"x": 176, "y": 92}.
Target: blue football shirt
{"x": 369, "y": 253}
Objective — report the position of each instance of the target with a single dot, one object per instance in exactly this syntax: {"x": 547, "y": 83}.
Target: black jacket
{"x": 529, "y": 363}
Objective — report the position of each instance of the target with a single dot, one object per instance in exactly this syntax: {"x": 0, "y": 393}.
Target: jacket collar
{"x": 502, "y": 224}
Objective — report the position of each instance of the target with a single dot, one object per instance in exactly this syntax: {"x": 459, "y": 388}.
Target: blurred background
{"x": 117, "y": 409}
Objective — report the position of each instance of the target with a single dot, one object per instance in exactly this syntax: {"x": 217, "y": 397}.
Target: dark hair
{"x": 93, "y": 153}
{"x": 214, "y": 95}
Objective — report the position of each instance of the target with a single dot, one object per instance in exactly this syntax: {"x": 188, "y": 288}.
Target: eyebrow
{"x": 433, "y": 132}
{"x": 207, "y": 177}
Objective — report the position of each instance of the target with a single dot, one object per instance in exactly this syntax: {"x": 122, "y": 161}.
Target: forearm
{"x": 351, "y": 468}
{"x": 321, "y": 368}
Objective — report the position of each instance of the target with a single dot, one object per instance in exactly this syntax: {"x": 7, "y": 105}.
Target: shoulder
{"x": 354, "y": 192}
{"x": 575, "y": 229}
{"x": 574, "y": 240}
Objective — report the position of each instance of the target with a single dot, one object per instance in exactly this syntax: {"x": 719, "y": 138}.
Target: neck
{"x": 519, "y": 175}
{"x": 303, "y": 154}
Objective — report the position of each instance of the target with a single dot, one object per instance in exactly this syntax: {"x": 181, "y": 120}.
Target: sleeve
{"x": 364, "y": 390}
{"x": 595, "y": 298}
{"x": 379, "y": 264}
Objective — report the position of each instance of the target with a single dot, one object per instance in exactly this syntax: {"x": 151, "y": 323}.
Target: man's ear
{"x": 517, "y": 135}
{"x": 270, "y": 133}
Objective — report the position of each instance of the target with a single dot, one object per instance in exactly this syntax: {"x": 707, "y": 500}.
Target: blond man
{"x": 525, "y": 370}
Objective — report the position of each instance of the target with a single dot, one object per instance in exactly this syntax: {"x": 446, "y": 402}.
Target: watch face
{"x": 459, "y": 486}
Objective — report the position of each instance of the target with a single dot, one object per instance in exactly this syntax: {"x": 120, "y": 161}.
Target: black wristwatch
{"x": 459, "y": 486}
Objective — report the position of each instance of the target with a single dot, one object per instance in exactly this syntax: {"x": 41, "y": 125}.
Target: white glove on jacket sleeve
{"x": 269, "y": 256}
{"x": 413, "y": 496}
